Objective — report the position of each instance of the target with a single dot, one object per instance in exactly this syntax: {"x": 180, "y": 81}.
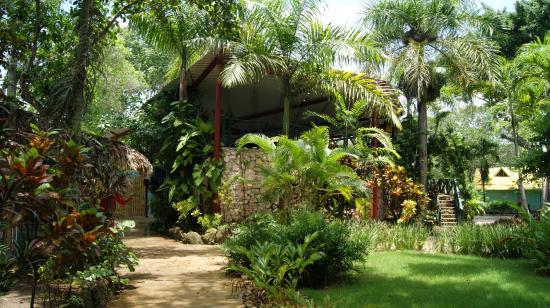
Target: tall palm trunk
{"x": 286, "y": 107}
{"x": 422, "y": 140}
{"x": 483, "y": 189}
{"x": 521, "y": 187}
{"x": 81, "y": 61}
{"x": 346, "y": 138}
{"x": 182, "y": 82}
{"x": 12, "y": 78}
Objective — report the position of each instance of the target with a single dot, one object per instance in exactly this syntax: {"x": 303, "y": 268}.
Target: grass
{"x": 415, "y": 279}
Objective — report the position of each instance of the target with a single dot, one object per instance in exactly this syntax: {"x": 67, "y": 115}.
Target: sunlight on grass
{"x": 413, "y": 279}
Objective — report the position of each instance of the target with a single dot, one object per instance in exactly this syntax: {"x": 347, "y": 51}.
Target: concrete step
{"x": 448, "y": 215}
{"x": 448, "y": 220}
{"x": 447, "y": 210}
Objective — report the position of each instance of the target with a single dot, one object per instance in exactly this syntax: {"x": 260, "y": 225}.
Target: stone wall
{"x": 241, "y": 184}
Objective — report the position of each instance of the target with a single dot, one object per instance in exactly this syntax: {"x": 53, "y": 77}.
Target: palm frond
{"x": 263, "y": 142}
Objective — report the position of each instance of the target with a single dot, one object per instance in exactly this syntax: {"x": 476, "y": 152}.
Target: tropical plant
{"x": 62, "y": 199}
{"x": 174, "y": 28}
{"x": 374, "y": 147}
{"x": 401, "y": 190}
{"x": 383, "y": 236}
{"x": 287, "y": 39}
{"x": 532, "y": 65}
{"x": 187, "y": 152}
{"x": 427, "y": 41}
{"x": 306, "y": 166}
{"x": 347, "y": 115}
{"x": 473, "y": 207}
{"x": 520, "y": 91}
{"x": 408, "y": 211}
{"x": 499, "y": 240}
{"x": 335, "y": 240}
{"x": 8, "y": 268}
{"x": 539, "y": 242}
{"x": 485, "y": 151}
{"x": 276, "y": 269}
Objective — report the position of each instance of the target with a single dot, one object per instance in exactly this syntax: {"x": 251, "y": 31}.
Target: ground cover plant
{"x": 383, "y": 236}
{"x": 305, "y": 249}
{"x": 407, "y": 278}
{"x": 306, "y": 168}
{"x": 46, "y": 183}
{"x": 500, "y": 240}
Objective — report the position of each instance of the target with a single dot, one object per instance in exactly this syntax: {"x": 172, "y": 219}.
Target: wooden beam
{"x": 205, "y": 73}
{"x": 277, "y": 110}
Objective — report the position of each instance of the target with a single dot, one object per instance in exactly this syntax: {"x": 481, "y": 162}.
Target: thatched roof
{"x": 127, "y": 158}
{"x": 103, "y": 150}
{"x": 503, "y": 178}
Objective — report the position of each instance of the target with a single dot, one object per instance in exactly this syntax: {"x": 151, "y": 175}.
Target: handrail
{"x": 449, "y": 187}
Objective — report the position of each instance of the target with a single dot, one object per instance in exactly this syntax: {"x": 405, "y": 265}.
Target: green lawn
{"x": 414, "y": 279}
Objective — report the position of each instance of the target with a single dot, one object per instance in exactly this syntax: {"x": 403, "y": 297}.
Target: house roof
{"x": 255, "y": 106}
{"x": 503, "y": 178}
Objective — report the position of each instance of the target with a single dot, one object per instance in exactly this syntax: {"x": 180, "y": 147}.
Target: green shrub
{"x": 500, "y": 240}
{"x": 276, "y": 269}
{"x": 499, "y": 207}
{"x": 383, "y": 236}
{"x": 537, "y": 238}
{"x": 340, "y": 250}
{"x": 255, "y": 228}
{"x": 8, "y": 267}
{"x": 473, "y": 207}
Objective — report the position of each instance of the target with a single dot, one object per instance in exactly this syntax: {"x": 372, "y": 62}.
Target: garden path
{"x": 171, "y": 274}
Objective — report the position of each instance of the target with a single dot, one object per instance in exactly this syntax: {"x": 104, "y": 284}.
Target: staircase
{"x": 446, "y": 207}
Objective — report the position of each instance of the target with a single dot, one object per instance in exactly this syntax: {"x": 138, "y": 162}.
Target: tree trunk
{"x": 78, "y": 86}
{"x": 544, "y": 195}
{"x": 521, "y": 187}
{"x": 423, "y": 142}
{"x": 12, "y": 78}
{"x": 182, "y": 82}
{"x": 483, "y": 189}
{"x": 286, "y": 108}
{"x": 346, "y": 137}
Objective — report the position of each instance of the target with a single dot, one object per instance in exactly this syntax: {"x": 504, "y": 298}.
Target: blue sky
{"x": 347, "y": 11}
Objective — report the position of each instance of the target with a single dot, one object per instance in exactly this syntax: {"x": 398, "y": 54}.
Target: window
{"x": 502, "y": 173}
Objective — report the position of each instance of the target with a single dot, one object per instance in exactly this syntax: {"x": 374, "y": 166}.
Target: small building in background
{"x": 503, "y": 186}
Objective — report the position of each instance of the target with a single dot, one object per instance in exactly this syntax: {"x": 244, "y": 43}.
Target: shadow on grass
{"x": 411, "y": 279}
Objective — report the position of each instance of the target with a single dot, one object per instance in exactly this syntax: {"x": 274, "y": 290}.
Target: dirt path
{"x": 171, "y": 274}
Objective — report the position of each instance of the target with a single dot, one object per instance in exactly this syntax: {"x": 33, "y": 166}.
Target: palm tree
{"x": 176, "y": 29}
{"x": 306, "y": 166}
{"x": 486, "y": 149}
{"x": 285, "y": 38}
{"x": 525, "y": 83}
{"x": 347, "y": 115}
{"x": 428, "y": 40}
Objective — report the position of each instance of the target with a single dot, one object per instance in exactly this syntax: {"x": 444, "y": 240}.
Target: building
{"x": 503, "y": 185}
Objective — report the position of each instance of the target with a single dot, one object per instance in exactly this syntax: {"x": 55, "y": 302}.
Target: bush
{"x": 473, "y": 207}
{"x": 537, "y": 238}
{"x": 275, "y": 269}
{"x": 383, "y": 236}
{"x": 8, "y": 267}
{"x": 499, "y": 207}
{"x": 340, "y": 250}
{"x": 500, "y": 240}
{"x": 402, "y": 191}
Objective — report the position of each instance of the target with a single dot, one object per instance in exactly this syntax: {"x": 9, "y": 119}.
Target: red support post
{"x": 218, "y": 111}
